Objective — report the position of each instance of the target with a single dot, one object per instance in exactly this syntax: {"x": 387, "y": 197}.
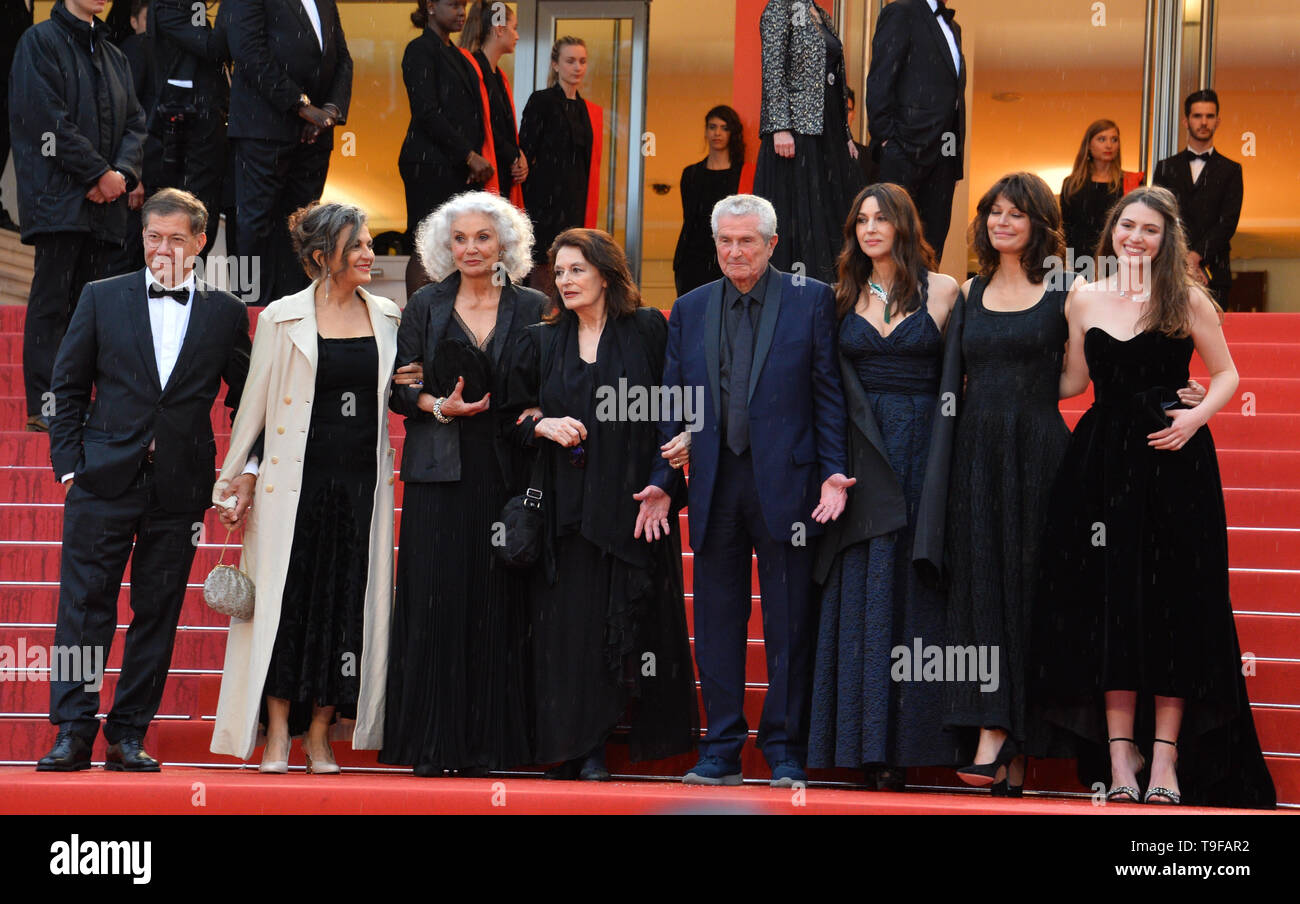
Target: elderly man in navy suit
{"x": 767, "y": 470}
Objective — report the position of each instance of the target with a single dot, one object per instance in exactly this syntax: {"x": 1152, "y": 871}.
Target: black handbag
{"x": 523, "y": 522}
{"x": 523, "y": 518}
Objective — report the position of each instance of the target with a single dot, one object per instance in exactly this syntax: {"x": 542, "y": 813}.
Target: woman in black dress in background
{"x": 1095, "y": 183}
{"x": 456, "y": 666}
{"x": 558, "y": 136}
{"x": 488, "y": 43}
{"x": 806, "y": 164}
{"x": 893, "y": 309}
{"x": 695, "y": 262}
{"x": 607, "y": 612}
{"x": 1137, "y": 623}
{"x": 440, "y": 154}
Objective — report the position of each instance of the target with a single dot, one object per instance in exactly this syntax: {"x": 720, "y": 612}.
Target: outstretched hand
{"x": 835, "y": 496}
{"x": 652, "y": 518}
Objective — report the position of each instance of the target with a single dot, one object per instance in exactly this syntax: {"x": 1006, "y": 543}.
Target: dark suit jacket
{"x": 1210, "y": 207}
{"x": 796, "y": 403}
{"x": 276, "y": 59}
{"x": 914, "y": 93}
{"x": 432, "y": 450}
{"x": 109, "y": 348}
{"x": 187, "y": 52}
{"x": 446, "y": 111}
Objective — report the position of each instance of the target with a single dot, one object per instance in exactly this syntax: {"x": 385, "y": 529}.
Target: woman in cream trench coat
{"x": 277, "y": 398}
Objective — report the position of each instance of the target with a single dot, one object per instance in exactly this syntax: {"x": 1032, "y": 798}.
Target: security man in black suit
{"x": 1209, "y": 190}
{"x": 916, "y": 105}
{"x": 137, "y": 463}
{"x": 291, "y": 84}
{"x": 188, "y": 124}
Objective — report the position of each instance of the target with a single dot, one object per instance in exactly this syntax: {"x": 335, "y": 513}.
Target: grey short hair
{"x": 514, "y": 231}
{"x": 746, "y": 206}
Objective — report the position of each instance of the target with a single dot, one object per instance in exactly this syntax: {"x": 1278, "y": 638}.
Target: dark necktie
{"x": 742, "y": 360}
{"x": 943, "y": 10}
{"x": 1204, "y": 155}
{"x": 181, "y": 295}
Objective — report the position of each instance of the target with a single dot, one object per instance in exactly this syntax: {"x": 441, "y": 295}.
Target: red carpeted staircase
{"x": 1259, "y": 451}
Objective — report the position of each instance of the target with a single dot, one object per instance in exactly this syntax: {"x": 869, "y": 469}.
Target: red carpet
{"x": 1258, "y": 436}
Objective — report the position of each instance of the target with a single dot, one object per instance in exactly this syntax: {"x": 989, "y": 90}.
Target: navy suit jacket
{"x": 796, "y": 405}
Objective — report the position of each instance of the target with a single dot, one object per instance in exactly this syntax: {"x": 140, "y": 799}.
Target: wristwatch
{"x": 303, "y": 101}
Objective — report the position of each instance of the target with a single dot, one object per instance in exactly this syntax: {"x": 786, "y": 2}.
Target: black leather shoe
{"x": 128, "y": 755}
{"x": 70, "y": 753}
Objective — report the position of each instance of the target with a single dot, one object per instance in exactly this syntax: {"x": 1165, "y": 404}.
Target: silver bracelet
{"x": 437, "y": 411}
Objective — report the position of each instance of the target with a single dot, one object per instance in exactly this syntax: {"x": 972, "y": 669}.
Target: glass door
{"x": 615, "y": 34}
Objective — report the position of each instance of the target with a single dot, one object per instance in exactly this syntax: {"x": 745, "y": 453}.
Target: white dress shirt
{"x": 314, "y": 14}
{"x": 943, "y": 25}
{"x": 1199, "y": 165}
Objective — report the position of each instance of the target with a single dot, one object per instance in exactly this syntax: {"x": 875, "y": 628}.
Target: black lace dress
{"x": 1009, "y": 443}
{"x": 1135, "y": 581}
{"x": 873, "y": 599}
{"x": 317, "y": 655}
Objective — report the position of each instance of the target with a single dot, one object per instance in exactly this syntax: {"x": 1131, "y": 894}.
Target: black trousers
{"x": 98, "y": 536}
{"x": 722, "y": 605}
{"x": 272, "y": 180}
{"x": 931, "y": 188}
{"x": 64, "y": 262}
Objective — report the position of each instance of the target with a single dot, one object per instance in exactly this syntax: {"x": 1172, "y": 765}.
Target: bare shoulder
{"x": 1204, "y": 311}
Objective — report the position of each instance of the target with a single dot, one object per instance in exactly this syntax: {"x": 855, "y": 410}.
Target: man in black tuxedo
{"x": 137, "y": 463}
{"x": 1209, "y": 190}
{"x": 916, "y": 106}
{"x": 188, "y": 124}
{"x": 291, "y": 84}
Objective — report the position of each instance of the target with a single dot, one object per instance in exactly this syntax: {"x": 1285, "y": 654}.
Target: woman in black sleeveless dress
{"x": 704, "y": 184}
{"x": 1135, "y": 643}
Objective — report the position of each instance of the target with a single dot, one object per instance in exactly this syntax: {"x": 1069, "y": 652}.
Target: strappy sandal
{"x": 1172, "y": 798}
{"x": 1126, "y": 794}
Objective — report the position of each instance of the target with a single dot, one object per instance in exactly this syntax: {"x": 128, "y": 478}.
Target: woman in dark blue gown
{"x": 893, "y": 310}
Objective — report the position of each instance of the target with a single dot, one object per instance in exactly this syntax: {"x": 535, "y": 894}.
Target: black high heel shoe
{"x": 1127, "y": 794}
{"x": 1004, "y": 788}
{"x": 981, "y": 774}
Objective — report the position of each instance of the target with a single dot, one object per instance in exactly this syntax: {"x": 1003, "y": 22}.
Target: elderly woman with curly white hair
{"x": 455, "y": 698}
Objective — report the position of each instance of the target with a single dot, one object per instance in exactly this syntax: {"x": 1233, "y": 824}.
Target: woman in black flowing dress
{"x": 704, "y": 184}
{"x": 1096, "y": 182}
{"x": 807, "y": 159}
{"x": 893, "y": 309}
{"x": 1136, "y": 649}
{"x": 607, "y": 613}
{"x": 457, "y": 656}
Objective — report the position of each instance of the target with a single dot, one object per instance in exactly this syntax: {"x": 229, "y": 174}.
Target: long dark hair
{"x": 736, "y": 144}
{"x": 1030, "y": 195}
{"x": 1168, "y": 311}
{"x": 622, "y": 297}
{"x": 911, "y": 253}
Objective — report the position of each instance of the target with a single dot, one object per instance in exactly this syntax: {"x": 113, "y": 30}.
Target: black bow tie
{"x": 181, "y": 295}
{"x": 1204, "y": 155}
{"x": 943, "y": 10}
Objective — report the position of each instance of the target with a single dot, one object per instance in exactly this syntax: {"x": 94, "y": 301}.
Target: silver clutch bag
{"x": 228, "y": 590}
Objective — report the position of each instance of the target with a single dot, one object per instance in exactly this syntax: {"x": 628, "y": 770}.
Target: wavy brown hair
{"x": 911, "y": 253}
{"x": 622, "y": 297}
{"x": 1169, "y": 311}
{"x": 1030, "y": 195}
{"x": 735, "y": 131}
{"x": 1081, "y": 173}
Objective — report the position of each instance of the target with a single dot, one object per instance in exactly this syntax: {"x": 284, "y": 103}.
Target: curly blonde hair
{"x": 514, "y": 231}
